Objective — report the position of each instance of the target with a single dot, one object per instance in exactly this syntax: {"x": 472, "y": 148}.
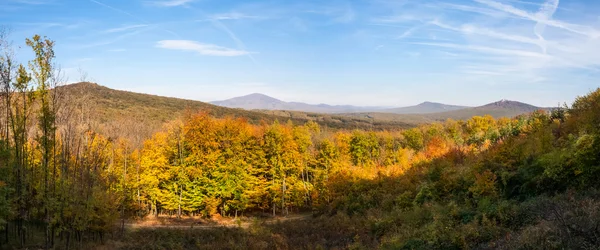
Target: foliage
{"x": 527, "y": 182}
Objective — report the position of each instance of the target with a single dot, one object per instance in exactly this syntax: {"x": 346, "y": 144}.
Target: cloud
{"x": 125, "y": 28}
{"x": 543, "y": 19}
{"x": 347, "y": 15}
{"x": 131, "y": 15}
{"x": 113, "y": 39}
{"x": 31, "y": 2}
{"x": 470, "y": 29}
{"x": 545, "y": 13}
{"x": 488, "y": 50}
{"x": 410, "y": 31}
{"x": 201, "y": 48}
{"x": 233, "y": 16}
{"x": 494, "y": 42}
{"x": 115, "y": 9}
{"x": 171, "y": 3}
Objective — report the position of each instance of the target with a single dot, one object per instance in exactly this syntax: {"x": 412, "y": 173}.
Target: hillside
{"x": 425, "y": 112}
{"x": 258, "y": 101}
{"x": 110, "y": 109}
{"x": 527, "y": 183}
{"x": 424, "y": 108}
{"x": 252, "y": 101}
{"x": 502, "y": 108}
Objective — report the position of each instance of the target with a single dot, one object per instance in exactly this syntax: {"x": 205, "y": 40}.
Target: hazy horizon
{"x": 361, "y": 53}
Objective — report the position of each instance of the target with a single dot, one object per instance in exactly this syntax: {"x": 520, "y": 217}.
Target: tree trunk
{"x": 283, "y": 189}
{"x": 179, "y": 204}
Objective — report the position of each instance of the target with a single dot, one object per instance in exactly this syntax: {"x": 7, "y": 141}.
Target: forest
{"x": 526, "y": 182}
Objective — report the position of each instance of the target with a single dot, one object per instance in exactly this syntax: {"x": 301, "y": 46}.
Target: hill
{"x": 252, "y": 101}
{"x": 424, "y": 108}
{"x": 258, "y": 101}
{"x": 502, "y": 108}
{"x": 114, "y": 110}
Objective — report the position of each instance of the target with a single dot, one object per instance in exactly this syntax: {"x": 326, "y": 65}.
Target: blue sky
{"x": 375, "y": 52}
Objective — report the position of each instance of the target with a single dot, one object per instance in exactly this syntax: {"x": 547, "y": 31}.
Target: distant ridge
{"x": 423, "y": 112}
{"x": 259, "y": 101}
{"x": 425, "y": 108}
{"x": 252, "y": 101}
{"x": 502, "y": 108}
{"x": 112, "y": 111}
{"x": 508, "y": 104}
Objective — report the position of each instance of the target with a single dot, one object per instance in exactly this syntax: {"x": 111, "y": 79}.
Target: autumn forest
{"x": 527, "y": 182}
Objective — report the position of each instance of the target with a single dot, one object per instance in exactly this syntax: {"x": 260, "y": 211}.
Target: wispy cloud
{"x": 112, "y": 40}
{"x": 496, "y": 42}
{"x": 171, "y": 3}
{"x": 233, "y": 16}
{"x": 410, "y": 31}
{"x": 115, "y": 9}
{"x": 125, "y": 28}
{"x": 347, "y": 15}
{"x": 488, "y": 50}
{"x": 338, "y": 14}
{"x": 201, "y": 48}
{"x": 31, "y": 2}
{"x": 130, "y": 15}
{"x": 542, "y": 17}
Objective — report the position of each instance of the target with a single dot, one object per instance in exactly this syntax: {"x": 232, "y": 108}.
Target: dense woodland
{"x": 527, "y": 182}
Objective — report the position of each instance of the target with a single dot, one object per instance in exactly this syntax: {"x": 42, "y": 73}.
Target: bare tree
{"x": 7, "y": 69}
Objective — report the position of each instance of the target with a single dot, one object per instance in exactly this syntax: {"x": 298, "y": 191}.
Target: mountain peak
{"x": 508, "y": 104}
{"x": 425, "y": 108}
{"x": 265, "y": 102}
{"x": 257, "y": 95}
{"x": 85, "y": 84}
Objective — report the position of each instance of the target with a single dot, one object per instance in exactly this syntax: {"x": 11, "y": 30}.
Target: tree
{"x": 585, "y": 113}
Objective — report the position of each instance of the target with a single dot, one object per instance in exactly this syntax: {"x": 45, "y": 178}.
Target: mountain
{"x": 253, "y": 101}
{"x": 258, "y": 101}
{"x": 137, "y": 116}
{"x": 127, "y": 113}
{"x": 424, "y": 108}
{"x": 502, "y": 108}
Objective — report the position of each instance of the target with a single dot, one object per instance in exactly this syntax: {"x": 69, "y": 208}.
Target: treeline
{"x": 206, "y": 166}
{"x": 477, "y": 183}
{"x": 523, "y": 183}
{"x": 56, "y": 178}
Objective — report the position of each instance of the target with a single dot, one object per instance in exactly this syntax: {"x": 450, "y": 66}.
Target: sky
{"x": 361, "y": 52}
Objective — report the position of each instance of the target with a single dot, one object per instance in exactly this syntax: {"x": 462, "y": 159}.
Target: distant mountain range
{"x": 423, "y": 111}
{"x": 114, "y": 111}
{"x": 109, "y": 111}
{"x": 263, "y": 102}
{"x": 424, "y": 108}
{"x": 502, "y": 108}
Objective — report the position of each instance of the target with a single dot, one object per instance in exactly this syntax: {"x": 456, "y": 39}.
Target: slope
{"x": 424, "y": 108}
{"x": 502, "y": 108}
{"x": 258, "y": 101}
{"x": 126, "y": 113}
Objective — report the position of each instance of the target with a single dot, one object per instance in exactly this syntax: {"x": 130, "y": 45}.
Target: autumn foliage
{"x": 529, "y": 181}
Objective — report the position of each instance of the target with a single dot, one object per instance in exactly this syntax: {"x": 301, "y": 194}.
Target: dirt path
{"x": 203, "y": 225}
